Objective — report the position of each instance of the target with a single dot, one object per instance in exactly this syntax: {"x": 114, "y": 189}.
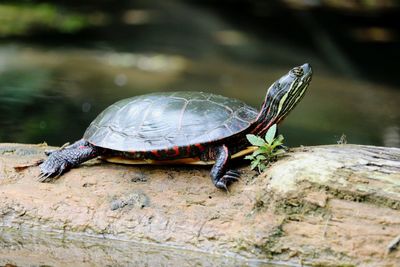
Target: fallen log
{"x": 326, "y": 205}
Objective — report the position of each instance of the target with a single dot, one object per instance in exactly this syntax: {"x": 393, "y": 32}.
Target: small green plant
{"x": 268, "y": 149}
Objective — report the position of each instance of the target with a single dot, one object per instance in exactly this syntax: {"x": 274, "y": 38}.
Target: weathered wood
{"x": 330, "y": 205}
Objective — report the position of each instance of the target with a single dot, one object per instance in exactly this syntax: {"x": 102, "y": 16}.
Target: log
{"x": 335, "y": 205}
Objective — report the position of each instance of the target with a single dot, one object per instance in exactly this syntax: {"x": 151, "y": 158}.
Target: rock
{"x": 325, "y": 205}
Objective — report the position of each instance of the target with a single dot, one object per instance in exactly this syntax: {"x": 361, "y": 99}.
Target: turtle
{"x": 182, "y": 127}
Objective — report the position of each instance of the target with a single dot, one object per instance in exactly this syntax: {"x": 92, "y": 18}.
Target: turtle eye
{"x": 297, "y": 71}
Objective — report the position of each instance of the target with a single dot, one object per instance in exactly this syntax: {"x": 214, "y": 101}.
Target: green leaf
{"x": 261, "y": 157}
{"x": 265, "y": 149}
{"x": 255, "y": 140}
{"x": 279, "y": 153}
{"x": 280, "y": 138}
{"x": 250, "y": 157}
{"x": 258, "y": 152}
{"x": 261, "y": 167}
{"x": 275, "y": 144}
{"x": 278, "y": 141}
{"x": 254, "y": 164}
{"x": 269, "y": 136}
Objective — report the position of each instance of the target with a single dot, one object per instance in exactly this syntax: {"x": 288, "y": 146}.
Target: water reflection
{"x": 52, "y": 95}
{"x": 19, "y": 248}
{"x": 51, "y": 90}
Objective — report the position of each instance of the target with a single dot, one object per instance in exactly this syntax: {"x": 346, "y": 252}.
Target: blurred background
{"x": 62, "y": 62}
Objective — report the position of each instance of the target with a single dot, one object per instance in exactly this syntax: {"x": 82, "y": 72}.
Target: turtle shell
{"x": 164, "y": 120}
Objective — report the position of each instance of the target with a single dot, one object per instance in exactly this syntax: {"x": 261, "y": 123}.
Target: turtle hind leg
{"x": 221, "y": 175}
{"x": 60, "y": 161}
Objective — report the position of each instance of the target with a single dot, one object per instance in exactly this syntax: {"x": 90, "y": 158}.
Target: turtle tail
{"x": 60, "y": 161}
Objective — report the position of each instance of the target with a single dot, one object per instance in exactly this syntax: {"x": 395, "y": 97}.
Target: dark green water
{"x": 51, "y": 88}
{"x": 52, "y": 95}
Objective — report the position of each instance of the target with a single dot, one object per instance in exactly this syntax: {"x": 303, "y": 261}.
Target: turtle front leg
{"x": 60, "y": 161}
{"x": 221, "y": 175}
{"x": 78, "y": 143}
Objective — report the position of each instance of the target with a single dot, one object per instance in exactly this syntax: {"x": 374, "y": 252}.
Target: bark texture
{"x": 327, "y": 205}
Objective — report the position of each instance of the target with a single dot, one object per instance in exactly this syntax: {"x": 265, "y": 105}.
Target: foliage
{"x": 268, "y": 149}
{"x": 20, "y": 19}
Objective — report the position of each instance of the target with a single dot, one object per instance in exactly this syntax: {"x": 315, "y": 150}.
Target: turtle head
{"x": 283, "y": 95}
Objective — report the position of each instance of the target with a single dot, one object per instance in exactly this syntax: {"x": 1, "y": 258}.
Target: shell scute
{"x": 163, "y": 121}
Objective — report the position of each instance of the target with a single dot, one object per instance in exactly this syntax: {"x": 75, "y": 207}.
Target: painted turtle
{"x": 181, "y": 127}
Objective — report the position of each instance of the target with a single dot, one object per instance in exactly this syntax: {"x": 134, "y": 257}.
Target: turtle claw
{"x": 52, "y": 168}
{"x": 222, "y": 185}
{"x": 43, "y": 177}
{"x": 229, "y": 177}
{"x": 233, "y": 173}
{"x": 47, "y": 177}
